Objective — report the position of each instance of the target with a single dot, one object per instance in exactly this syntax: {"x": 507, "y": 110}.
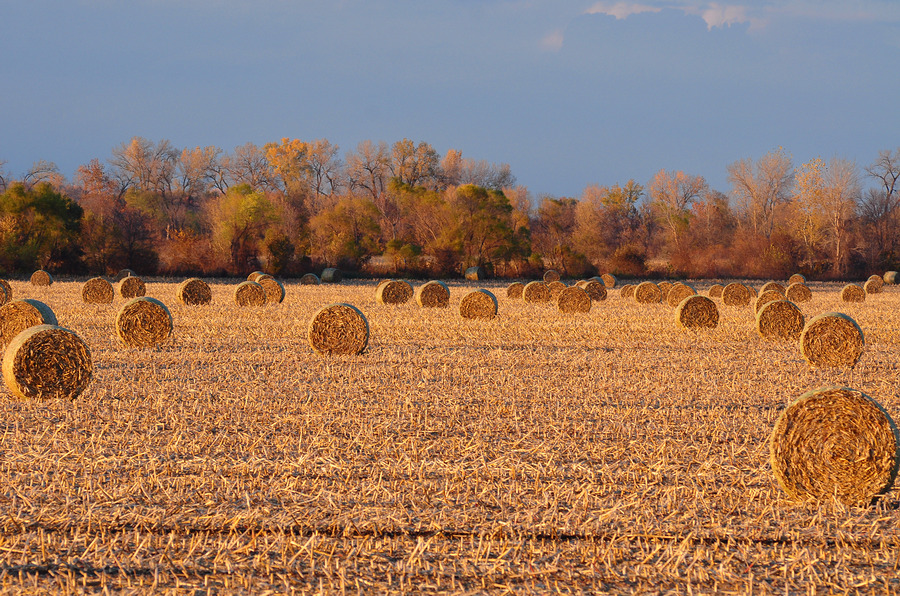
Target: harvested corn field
{"x": 532, "y": 452}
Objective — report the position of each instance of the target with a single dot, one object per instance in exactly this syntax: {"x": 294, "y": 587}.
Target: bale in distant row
{"x": 832, "y": 339}
{"x": 132, "y": 287}
{"x": 891, "y": 277}
{"x": 736, "y": 294}
{"x": 765, "y": 298}
{"x": 144, "y": 322}
{"x": 7, "y": 294}
{"x": 41, "y": 278}
{"x": 555, "y": 288}
{"x": 835, "y": 442}
{"x": 627, "y": 291}
{"x": 339, "y": 329}
{"x": 796, "y": 278}
{"x": 433, "y": 294}
{"x": 310, "y": 279}
{"x": 123, "y": 273}
{"x": 609, "y": 280}
{"x": 648, "y": 292}
{"x": 595, "y": 289}
{"x": 514, "y": 290}
{"x": 393, "y": 291}
{"x": 853, "y": 293}
{"x": 255, "y": 275}
{"x": 573, "y": 299}
{"x": 551, "y": 275}
{"x": 536, "y": 291}
{"x": 771, "y": 286}
{"x": 874, "y": 285}
{"x": 798, "y": 292}
{"x": 47, "y": 362}
{"x": 780, "y": 320}
{"x": 696, "y": 312}
{"x": 715, "y": 291}
{"x": 273, "y": 288}
{"x": 249, "y": 293}
{"x": 664, "y": 288}
{"x": 679, "y": 292}
{"x": 475, "y": 273}
{"x": 331, "y": 275}
{"x": 18, "y": 315}
{"x": 478, "y": 304}
{"x": 194, "y": 292}
{"x": 97, "y": 291}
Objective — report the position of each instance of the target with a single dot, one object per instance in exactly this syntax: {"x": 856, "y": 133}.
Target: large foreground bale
{"x": 780, "y": 320}
{"x": 478, "y": 304}
{"x": 249, "y": 293}
{"x": 715, "y": 291}
{"x": 41, "y": 278}
{"x": 595, "y": 289}
{"x": 536, "y": 292}
{"x": 678, "y": 293}
{"x": 433, "y": 294}
{"x": 891, "y": 278}
{"x": 835, "y": 442}
{"x": 339, "y": 329}
{"x": 393, "y": 291}
{"x": 796, "y": 278}
{"x": 310, "y": 279}
{"x": 832, "y": 339}
{"x": 18, "y": 315}
{"x": 609, "y": 280}
{"x": 551, "y": 275}
{"x": 273, "y": 288}
{"x": 475, "y": 273}
{"x": 97, "y": 291}
{"x": 736, "y": 294}
{"x": 798, "y": 292}
{"x": 697, "y": 312}
{"x": 648, "y": 292}
{"x": 514, "y": 290}
{"x": 194, "y": 292}
{"x": 331, "y": 275}
{"x": 47, "y": 362}
{"x": 144, "y": 322}
{"x": 573, "y": 300}
{"x": 132, "y": 287}
{"x": 853, "y": 293}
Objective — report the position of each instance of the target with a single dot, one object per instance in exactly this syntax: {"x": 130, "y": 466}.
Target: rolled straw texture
{"x": 664, "y": 288}
{"x": 249, "y": 293}
{"x": 832, "y": 339}
{"x": 551, "y": 275}
{"x": 478, "y": 304}
{"x": 97, "y": 291}
{"x": 433, "y": 294}
{"x": 332, "y": 276}
{"x": 273, "y": 288}
{"x": 766, "y": 297}
{"x": 555, "y": 288}
{"x": 132, "y": 287}
{"x": 41, "y": 278}
{"x": 891, "y": 277}
{"x": 4, "y": 295}
{"x": 573, "y": 299}
{"x": 853, "y": 293}
{"x": 678, "y": 293}
{"x": 648, "y": 292}
{"x": 194, "y": 292}
{"x": 627, "y": 291}
{"x": 8, "y": 295}
{"x": 609, "y": 280}
{"x": 536, "y": 291}
{"x": 47, "y": 362}
{"x": 255, "y": 275}
{"x": 770, "y": 286}
{"x": 715, "y": 291}
{"x": 697, "y": 312}
{"x": 515, "y": 289}
{"x": 780, "y": 320}
{"x": 736, "y": 294}
{"x": 339, "y": 329}
{"x": 123, "y": 273}
{"x": 144, "y": 322}
{"x": 874, "y": 286}
{"x": 796, "y": 278}
{"x": 596, "y": 290}
{"x": 798, "y": 292}
{"x": 393, "y": 291}
{"x": 475, "y": 273}
{"x": 835, "y": 442}
{"x": 310, "y": 279}
{"x": 18, "y": 315}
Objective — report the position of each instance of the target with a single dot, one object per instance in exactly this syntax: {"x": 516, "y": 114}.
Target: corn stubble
{"x": 610, "y": 452}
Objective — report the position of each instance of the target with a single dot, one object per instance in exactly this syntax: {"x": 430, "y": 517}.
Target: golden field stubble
{"x": 536, "y": 451}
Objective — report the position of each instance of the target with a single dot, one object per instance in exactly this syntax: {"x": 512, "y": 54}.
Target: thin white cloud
{"x": 620, "y": 10}
{"x": 553, "y": 41}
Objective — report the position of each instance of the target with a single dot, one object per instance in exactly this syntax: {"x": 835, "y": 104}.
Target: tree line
{"x": 294, "y": 206}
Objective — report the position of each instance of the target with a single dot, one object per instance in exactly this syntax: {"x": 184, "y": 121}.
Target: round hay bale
{"x": 475, "y": 273}
{"x": 144, "y": 322}
{"x": 536, "y": 291}
{"x": 766, "y": 297}
{"x": 41, "y": 278}
{"x": 648, "y": 292}
{"x": 332, "y": 276}
{"x": 779, "y": 319}
{"x": 478, "y": 304}
{"x": 132, "y": 287}
{"x": 47, "y": 362}
{"x": 771, "y": 286}
{"x": 697, "y": 312}
{"x": 874, "y": 285}
{"x": 595, "y": 290}
{"x": 715, "y": 291}
{"x": 338, "y": 329}
{"x": 18, "y": 315}
{"x": 853, "y": 293}
{"x": 194, "y": 292}
{"x": 573, "y": 299}
{"x": 736, "y": 294}
{"x": 123, "y": 273}
{"x": 798, "y": 292}
{"x": 796, "y": 278}
{"x": 97, "y": 291}
{"x": 514, "y": 290}
{"x": 249, "y": 293}
{"x": 255, "y": 275}
{"x": 433, "y": 294}
{"x": 551, "y": 275}
{"x": 555, "y": 288}
{"x": 678, "y": 293}
{"x": 664, "y": 288}
{"x": 832, "y": 339}
{"x": 310, "y": 279}
{"x": 273, "y": 288}
{"x": 609, "y": 280}
{"x": 393, "y": 291}
{"x": 835, "y": 442}
{"x": 627, "y": 291}
{"x": 4, "y": 295}
{"x": 7, "y": 295}
{"x": 891, "y": 277}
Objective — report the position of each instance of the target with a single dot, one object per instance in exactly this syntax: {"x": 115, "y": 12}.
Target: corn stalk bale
{"x": 475, "y": 273}
{"x": 18, "y": 315}
{"x": 514, "y": 290}
{"x": 47, "y": 362}
{"x": 595, "y": 290}
{"x": 8, "y": 292}
{"x": 253, "y": 276}
{"x": 310, "y": 279}
{"x": 780, "y": 319}
{"x": 696, "y": 312}
{"x": 715, "y": 291}
{"x": 41, "y": 278}
{"x": 573, "y": 299}
{"x": 249, "y": 293}
{"x": 853, "y": 293}
{"x": 551, "y": 275}
{"x": 772, "y": 286}
{"x": 194, "y": 292}
{"x": 835, "y": 442}
{"x": 832, "y": 339}
{"x": 4, "y": 295}
{"x": 766, "y": 297}
{"x": 393, "y": 291}
{"x": 797, "y": 293}
{"x": 339, "y": 329}
{"x": 478, "y": 304}
{"x": 891, "y": 277}
{"x": 97, "y": 291}
{"x": 796, "y": 278}
{"x": 144, "y": 322}
{"x": 874, "y": 285}
{"x": 664, "y": 288}
{"x": 536, "y": 292}
{"x": 627, "y": 291}
{"x": 736, "y": 294}
{"x": 132, "y": 287}
{"x": 679, "y": 292}
{"x": 433, "y": 294}
{"x": 609, "y": 280}
{"x": 331, "y": 275}
{"x": 123, "y": 273}
{"x": 273, "y": 288}
{"x": 648, "y": 292}
{"x": 555, "y": 288}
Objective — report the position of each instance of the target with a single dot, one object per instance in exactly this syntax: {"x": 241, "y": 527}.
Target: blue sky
{"x": 569, "y": 93}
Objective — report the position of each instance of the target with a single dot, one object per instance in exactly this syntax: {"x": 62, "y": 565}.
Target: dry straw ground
{"x": 535, "y": 452}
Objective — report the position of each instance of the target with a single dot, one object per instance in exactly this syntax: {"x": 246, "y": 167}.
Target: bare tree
{"x": 247, "y": 165}
{"x": 368, "y": 168}
{"x": 43, "y": 171}
{"x": 672, "y": 194}
{"x": 760, "y": 187}
{"x": 144, "y": 165}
